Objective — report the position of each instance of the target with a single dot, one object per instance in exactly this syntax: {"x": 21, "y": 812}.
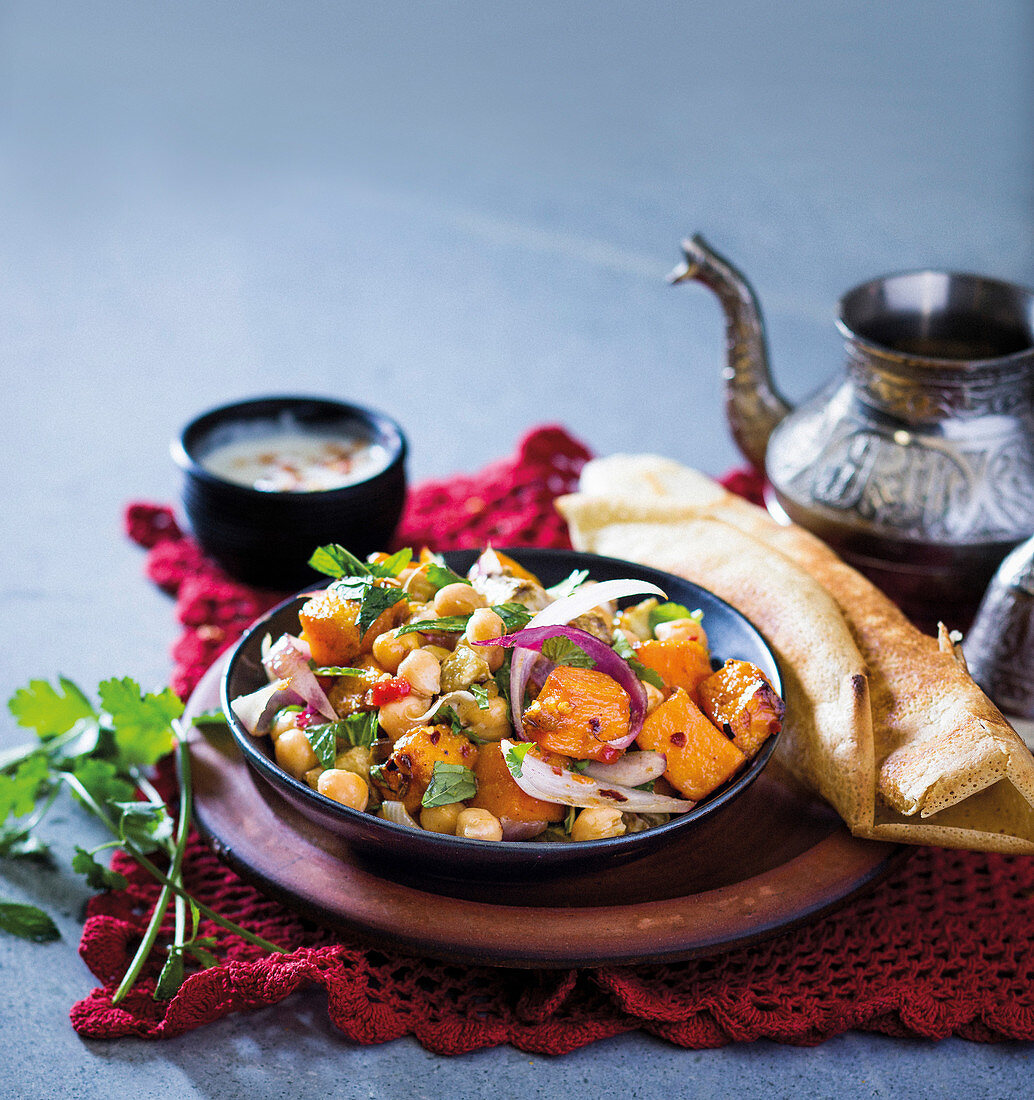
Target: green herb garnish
{"x": 449, "y": 783}
{"x": 515, "y": 757}
{"x": 439, "y": 575}
{"x": 100, "y": 754}
{"x": 480, "y": 693}
{"x": 624, "y": 650}
{"x": 562, "y": 651}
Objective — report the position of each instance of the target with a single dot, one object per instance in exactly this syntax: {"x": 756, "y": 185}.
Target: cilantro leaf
{"x": 623, "y": 649}
{"x": 17, "y": 842}
{"x": 172, "y": 975}
{"x": 145, "y": 825}
{"x": 47, "y": 710}
{"x": 28, "y": 922}
{"x": 515, "y": 758}
{"x": 98, "y": 877}
{"x": 103, "y": 782}
{"x": 18, "y": 792}
{"x": 480, "y": 693}
{"x": 449, "y": 783}
{"x": 565, "y": 587}
{"x": 562, "y": 651}
{"x": 669, "y": 612}
{"x": 142, "y": 723}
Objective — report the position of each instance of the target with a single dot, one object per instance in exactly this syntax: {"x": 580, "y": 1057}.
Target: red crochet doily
{"x": 941, "y": 948}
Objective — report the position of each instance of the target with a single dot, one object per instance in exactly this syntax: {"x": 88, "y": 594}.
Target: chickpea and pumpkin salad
{"x": 490, "y": 707}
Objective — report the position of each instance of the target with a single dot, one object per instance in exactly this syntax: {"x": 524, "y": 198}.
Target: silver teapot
{"x": 916, "y": 463}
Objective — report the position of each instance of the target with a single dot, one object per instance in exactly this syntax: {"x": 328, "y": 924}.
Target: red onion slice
{"x": 288, "y": 659}
{"x": 255, "y": 711}
{"x": 555, "y": 784}
{"x": 631, "y": 770}
{"x": 531, "y": 639}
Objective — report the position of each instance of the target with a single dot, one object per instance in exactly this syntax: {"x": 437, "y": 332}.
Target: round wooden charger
{"x": 786, "y": 859}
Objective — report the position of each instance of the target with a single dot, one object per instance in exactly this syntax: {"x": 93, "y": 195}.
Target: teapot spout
{"x": 753, "y": 406}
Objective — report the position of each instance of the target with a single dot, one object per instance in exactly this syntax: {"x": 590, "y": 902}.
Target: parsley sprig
{"x": 101, "y": 755}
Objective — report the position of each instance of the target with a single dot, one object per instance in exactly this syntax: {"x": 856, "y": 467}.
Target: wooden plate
{"x": 788, "y": 859}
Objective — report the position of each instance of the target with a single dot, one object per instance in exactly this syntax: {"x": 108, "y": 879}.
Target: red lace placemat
{"x": 941, "y": 948}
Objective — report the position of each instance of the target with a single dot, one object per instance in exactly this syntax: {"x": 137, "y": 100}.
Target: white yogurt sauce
{"x": 294, "y": 461}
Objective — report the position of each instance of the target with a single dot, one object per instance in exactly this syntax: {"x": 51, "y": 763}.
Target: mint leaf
{"x": 360, "y": 729}
{"x": 515, "y": 616}
{"x": 565, "y": 587}
{"x": 98, "y": 877}
{"x": 440, "y": 575}
{"x": 323, "y": 740}
{"x": 452, "y": 624}
{"x": 335, "y": 561}
{"x": 562, "y": 651}
{"x": 394, "y": 564}
{"x": 141, "y": 723}
{"x": 624, "y": 650}
{"x": 337, "y": 670}
{"x": 48, "y": 711}
{"x": 669, "y": 612}
{"x": 449, "y": 783}
{"x": 28, "y": 922}
{"x": 515, "y": 758}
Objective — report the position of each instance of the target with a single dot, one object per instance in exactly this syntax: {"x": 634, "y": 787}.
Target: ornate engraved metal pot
{"x": 916, "y": 463}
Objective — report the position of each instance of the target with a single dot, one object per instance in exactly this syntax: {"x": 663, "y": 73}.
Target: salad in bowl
{"x": 465, "y": 696}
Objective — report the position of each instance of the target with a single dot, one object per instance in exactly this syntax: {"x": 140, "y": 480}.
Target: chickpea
{"x": 423, "y": 672}
{"x": 483, "y": 625}
{"x": 596, "y": 824}
{"x": 312, "y": 776}
{"x": 283, "y": 721}
{"x": 681, "y": 630}
{"x": 441, "y": 819}
{"x": 389, "y": 649}
{"x": 490, "y": 724}
{"x": 457, "y": 599}
{"x": 414, "y": 581}
{"x": 399, "y": 717}
{"x": 654, "y": 698}
{"x": 294, "y": 753}
{"x": 478, "y": 825}
{"x": 344, "y": 787}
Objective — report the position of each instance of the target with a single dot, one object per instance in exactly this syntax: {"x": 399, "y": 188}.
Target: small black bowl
{"x": 434, "y": 860}
{"x": 266, "y": 538}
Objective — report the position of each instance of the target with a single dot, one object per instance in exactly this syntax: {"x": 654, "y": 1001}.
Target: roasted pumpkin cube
{"x": 739, "y": 700}
{"x": 499, "y": 794}
{"x": 700, "y": 758}
{"x": 408, "y": 770}
{"x": 679, "y": 663}
{"x": 329, "y": 626}
{"x": 577, "y": 712}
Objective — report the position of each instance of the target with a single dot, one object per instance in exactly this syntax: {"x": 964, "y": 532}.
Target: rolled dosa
{"x": 931, "y": 761}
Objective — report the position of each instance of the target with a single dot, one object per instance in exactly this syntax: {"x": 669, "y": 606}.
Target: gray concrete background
{"x": 462, "y": 212}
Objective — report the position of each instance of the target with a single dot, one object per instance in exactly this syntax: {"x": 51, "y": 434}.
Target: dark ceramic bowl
{"x": 266, "y": 538}
{"x": 413, "y": 855}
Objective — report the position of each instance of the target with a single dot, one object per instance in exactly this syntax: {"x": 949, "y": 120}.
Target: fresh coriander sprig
{"x": 101, "y": 754}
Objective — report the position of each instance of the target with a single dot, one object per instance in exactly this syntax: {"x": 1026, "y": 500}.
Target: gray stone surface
{"x": 463, "y": 213}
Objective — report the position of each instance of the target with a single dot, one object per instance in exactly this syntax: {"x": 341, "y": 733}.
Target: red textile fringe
{"x": 939, "y": 949}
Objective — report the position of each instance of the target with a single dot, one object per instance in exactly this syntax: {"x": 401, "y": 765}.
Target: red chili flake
{"x": 608, "y": 754}
{"x": 436, "y": 736}
{"x": 678, "y": 739}
{"x": 595, "y": 724}
{"x": 388, "y": 691}
{"x": 617, "y": 796}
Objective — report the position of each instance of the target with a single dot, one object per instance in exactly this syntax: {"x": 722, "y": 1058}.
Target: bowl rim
{"x": 544, "y": 851}
{"x": 387, "y": 431}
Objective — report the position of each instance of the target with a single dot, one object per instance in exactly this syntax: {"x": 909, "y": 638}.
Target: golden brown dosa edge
{"x": 887, "y": 725}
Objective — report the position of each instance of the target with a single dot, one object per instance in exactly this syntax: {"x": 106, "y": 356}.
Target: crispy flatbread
{"x": 931, "y": 761}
